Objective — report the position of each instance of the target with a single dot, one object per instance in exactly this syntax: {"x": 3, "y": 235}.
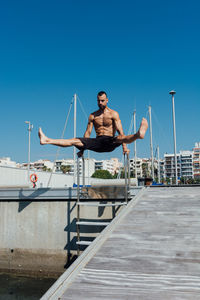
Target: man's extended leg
{"x": 44, "y": 140}
{"x": 128, "y": 139}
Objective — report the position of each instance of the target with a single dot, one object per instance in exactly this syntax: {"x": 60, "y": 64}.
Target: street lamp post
{"x": 174, "y": 126}
{"x": 30, "y": 127}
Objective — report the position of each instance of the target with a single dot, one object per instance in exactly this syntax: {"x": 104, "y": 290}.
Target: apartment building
{"x": 105, "y": 165}
{"x": 117, "y": 165}
{"x": 184, "y": 165}
{"x": 137, "y": 165}
{"x": 7, "y": 162}
{"x": 186, "y": 162}
{"x": 170, "y": 166}
{"x": 89, "y": 166}
{"x": 39, "y": 165}
{"x": 196, "y": 160}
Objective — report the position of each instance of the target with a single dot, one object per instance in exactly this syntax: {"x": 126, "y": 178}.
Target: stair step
{"x": 93, "y": 223}
{"x": 100, "y": 204}
{"x": 84, "y": 243}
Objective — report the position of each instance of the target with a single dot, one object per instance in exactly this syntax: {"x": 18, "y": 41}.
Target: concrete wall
{"x": 18, "y": 177}
{"x": 40, "y": 237}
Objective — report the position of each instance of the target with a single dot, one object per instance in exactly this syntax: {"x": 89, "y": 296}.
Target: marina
{"x": 100, "y": 150}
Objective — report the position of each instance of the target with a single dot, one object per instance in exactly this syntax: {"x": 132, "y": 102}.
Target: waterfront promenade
{"x": 149, "y": 251}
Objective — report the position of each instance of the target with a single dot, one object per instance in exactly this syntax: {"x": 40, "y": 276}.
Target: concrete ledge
{"x": 48, "y": 194}
{"x": 32, "y": 262}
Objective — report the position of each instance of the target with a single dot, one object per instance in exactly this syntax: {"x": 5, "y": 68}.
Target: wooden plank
{"x": 153, "y": 253}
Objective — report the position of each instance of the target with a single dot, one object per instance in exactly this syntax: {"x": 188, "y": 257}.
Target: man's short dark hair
{"x": 101, "y": 93}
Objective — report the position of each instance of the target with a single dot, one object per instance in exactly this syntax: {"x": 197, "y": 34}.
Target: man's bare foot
{"x": 43, "y": 137}
{"x": 143, "y": 128}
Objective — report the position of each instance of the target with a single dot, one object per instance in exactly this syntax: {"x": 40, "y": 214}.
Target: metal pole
{"x": 151, "y": 144}
{"x": 78, "y": 206}
{"x": 135, "y": 151}
{"x": 129, "y": 179}
{"x": 174, "y": 127}
{"x": 88, "y": 166}
{"x": 158, "y": 153}
{"x": 30, "y": 127}
{"x": 83, "y": 170}
{"x": 75, "y": 102}
{"x": 125, "y": 175}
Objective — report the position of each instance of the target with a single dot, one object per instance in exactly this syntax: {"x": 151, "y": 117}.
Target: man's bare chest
{"x": 103, "y": 120}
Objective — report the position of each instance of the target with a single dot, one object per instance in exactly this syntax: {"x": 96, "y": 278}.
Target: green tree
{"x": 168, "y": 180}
{"x": 145, "y": 170}
{"x": 197, "y": 180}
{"x": 65, "y": 168}
{"x": 45, "y": 169}
{"x": 104, "y": 174}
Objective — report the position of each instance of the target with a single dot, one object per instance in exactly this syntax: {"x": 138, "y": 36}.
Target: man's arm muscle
{"x": 118, "y": 123}
{"x": 89, "y": 126}
{"x": 118, "y": 126}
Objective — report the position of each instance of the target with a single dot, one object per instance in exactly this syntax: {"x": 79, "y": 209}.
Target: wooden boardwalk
{"x": 152, "y": 253}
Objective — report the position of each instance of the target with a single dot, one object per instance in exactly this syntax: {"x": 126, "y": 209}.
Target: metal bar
{"x": 126, "y": 181}
{"x": 84, "y": 243}
{"x": 93, "y": 223}
{"x": 101, "y": 204}
{"x": 128, "y": 167}
{"x": 129, "y": 179}
{"x": 78, "y": 207}
{"x": 83, "y": 171}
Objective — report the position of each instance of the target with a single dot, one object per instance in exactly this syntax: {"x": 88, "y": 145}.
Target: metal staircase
{"x": 84, "y": 200}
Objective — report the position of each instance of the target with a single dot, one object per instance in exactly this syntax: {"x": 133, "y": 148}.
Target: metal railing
{"x": 81, "y": 194}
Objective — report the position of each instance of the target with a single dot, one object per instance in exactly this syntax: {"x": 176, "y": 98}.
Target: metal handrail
{"x": 127, "y": 175}
{"x": 78, "y": 207}
{"x": 127, "y": 190}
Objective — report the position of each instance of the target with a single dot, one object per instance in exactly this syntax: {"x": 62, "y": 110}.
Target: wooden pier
{"x": 150, "y": 251}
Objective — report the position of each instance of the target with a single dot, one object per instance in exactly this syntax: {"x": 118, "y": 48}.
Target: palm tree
{"x": 65, "y": 168}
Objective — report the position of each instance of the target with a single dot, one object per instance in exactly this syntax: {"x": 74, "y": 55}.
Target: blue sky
{"x": 137, "y": 51}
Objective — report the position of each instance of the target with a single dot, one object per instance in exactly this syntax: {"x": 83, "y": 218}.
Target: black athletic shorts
{"x": 102, "y": 143}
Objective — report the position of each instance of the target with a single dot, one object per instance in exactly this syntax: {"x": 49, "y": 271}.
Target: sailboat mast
{"x": 135, "y": 150}
{"x": 158, "y": 153}
{"x": 151, "y": 144}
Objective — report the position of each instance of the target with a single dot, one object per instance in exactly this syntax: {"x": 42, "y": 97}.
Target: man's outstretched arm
{"x": 119, "y": 128}
{"x": 89, "y": 126}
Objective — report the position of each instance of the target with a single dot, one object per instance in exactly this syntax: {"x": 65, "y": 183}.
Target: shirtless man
{"x": 106, "y": 122}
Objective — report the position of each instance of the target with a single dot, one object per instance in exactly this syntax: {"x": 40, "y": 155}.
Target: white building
{"x": 196, "y": 160}
{"x": 89, "y": 166}
{"x": 116, "y": 164}
{"x": 184, "y": 165}
{"x": 137, "y": 166}
{"x": 186, "y": 162}
{"x": 170, "y": 165}
{"x": 108, "y": 165}
{"x": 7, "y": 162}
{"x": 40, "y": 164}
{"x": 143, "y": 167}
{"x": 64, "y": 162}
